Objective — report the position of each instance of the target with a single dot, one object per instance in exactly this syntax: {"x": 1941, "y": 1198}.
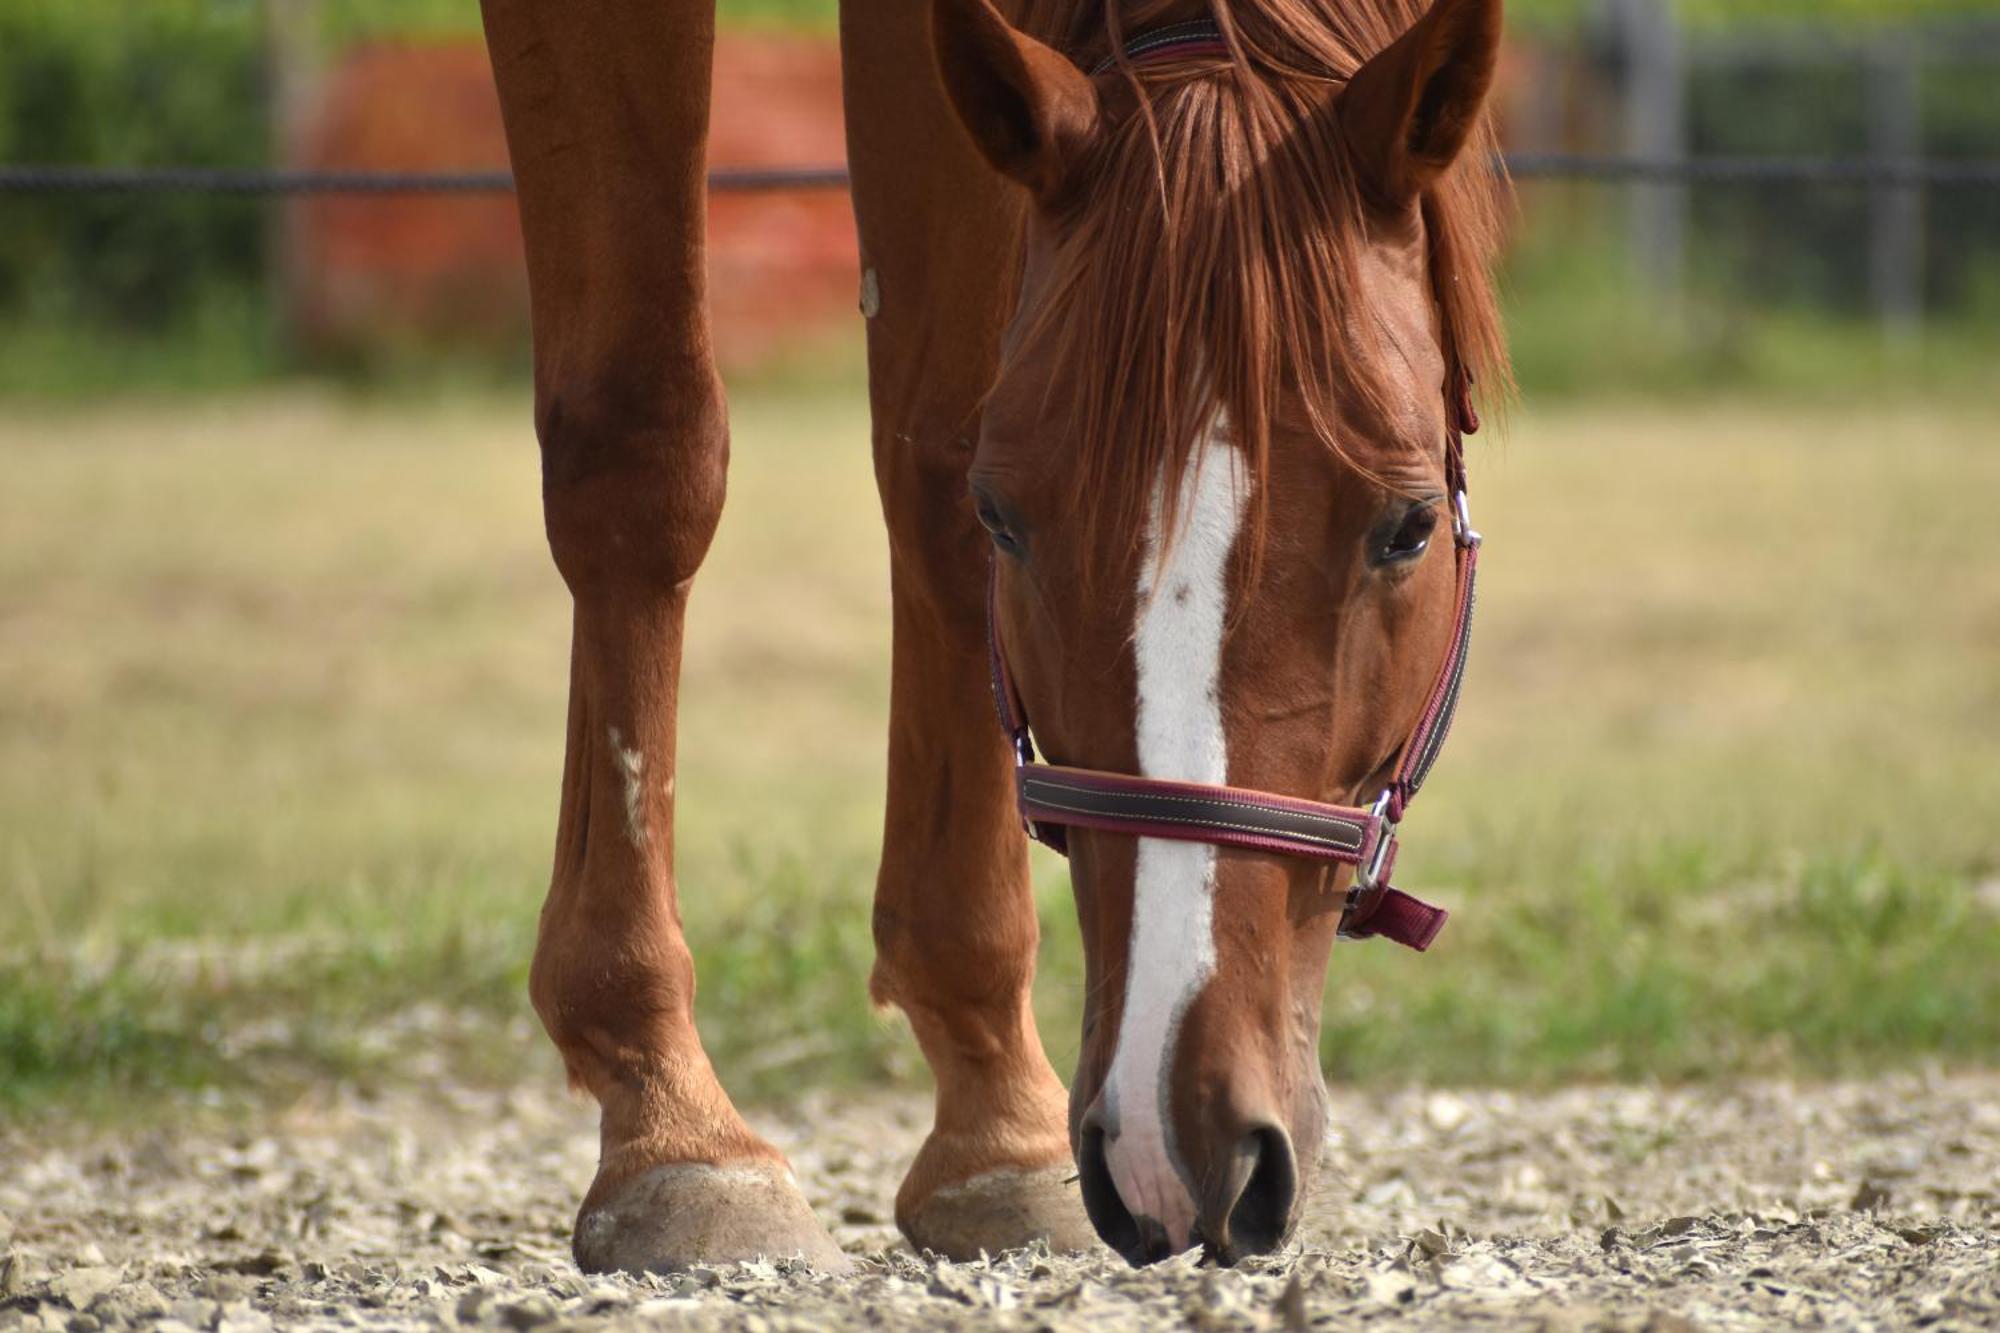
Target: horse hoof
{"x": 1003, "y": 1210}
{"x": 674, "y": 1217}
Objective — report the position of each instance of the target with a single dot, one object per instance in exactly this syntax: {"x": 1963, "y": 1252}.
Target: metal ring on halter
{"x": 1368, "y": 877}
{"x": 1461, "y": 521}
{"x": 1024, "y": 755}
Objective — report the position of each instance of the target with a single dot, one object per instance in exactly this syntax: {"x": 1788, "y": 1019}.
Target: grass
{"x": 280, "y": 729}
{"x": 1582, "y": 324}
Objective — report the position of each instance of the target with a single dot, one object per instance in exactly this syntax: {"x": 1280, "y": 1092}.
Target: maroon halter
{"x": 1054, "y": 798}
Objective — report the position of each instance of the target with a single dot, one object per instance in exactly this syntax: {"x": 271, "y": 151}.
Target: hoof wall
{"x": 1000, "y": 1211}
{"x": 675, "y": 1217}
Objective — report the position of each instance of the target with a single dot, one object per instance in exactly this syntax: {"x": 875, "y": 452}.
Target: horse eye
{"x": 1411, "y": 536}
{"x": 994, "y": 519}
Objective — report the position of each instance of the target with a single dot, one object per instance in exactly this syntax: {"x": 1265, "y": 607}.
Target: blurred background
{"x": 283, "y": 657}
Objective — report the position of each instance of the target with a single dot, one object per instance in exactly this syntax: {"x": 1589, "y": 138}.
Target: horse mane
{"x": 1214, "y": 258}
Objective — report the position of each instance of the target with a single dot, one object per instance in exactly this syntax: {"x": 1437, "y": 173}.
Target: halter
{"x": 1054, "y": 798}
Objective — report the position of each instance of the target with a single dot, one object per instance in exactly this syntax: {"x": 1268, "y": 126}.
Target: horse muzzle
{"x": 1140, "y": 1193}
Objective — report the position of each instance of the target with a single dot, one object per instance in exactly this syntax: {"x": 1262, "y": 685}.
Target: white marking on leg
{"x": 631, "y": 767}
{"x": 1183, "y": 605}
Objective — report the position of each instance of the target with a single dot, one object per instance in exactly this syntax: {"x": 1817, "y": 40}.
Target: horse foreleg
{"x": 606, "y": 110}
{"x": 955, "y": 926}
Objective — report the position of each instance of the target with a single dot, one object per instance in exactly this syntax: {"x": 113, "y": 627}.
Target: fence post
{"x": 1896, "y": 211}
{"x": 292, "y": 59}
{"x": 1655, "y": 128}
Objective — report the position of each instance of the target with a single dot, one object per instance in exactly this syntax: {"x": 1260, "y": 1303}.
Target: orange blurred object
{"x": 368, "y": 272}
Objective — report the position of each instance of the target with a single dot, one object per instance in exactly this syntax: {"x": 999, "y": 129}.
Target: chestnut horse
{"x": 1171, "y": 308}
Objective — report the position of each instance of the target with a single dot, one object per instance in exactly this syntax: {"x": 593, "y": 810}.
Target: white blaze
{"x": 1183, "y": 604}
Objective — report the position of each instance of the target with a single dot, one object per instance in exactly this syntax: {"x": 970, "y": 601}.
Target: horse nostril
{"x": 1108, "y": 1213}
{"x": 1261, "y": 1216}
{"x": 1142, "y": 1240}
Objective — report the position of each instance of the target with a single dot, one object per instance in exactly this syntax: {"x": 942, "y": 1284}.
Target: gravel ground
{"x": 1849, "y": 1205}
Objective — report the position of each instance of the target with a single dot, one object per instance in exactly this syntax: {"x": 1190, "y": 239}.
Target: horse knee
{"x": 633, "y": 478}
{"x": 982, "y": 960}
{"x": 613, "y": 1006}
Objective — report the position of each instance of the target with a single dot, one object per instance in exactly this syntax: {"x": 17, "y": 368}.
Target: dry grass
{"x": 292, "y": 668}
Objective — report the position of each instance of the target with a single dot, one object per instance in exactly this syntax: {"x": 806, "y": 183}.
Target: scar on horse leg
{"x": 606, "y": 104}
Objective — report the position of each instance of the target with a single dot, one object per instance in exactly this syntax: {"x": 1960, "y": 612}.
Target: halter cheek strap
{"x": 1054, "y": 798}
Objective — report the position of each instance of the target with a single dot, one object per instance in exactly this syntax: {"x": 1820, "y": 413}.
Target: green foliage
{"x": 1809, "y": 248}
{"x": 225, "y": 340}
{"x": 345, "y": 21}
{"x": 84, "y": 1036}
{"x": 98, "y": 1030}
{"x": 173, "y": 82}
{"x": 814, "y": 15}
{"x": 1658, "y": 970}
{"x": 1723, "y": 14}
{"x": 1753, "y": 313}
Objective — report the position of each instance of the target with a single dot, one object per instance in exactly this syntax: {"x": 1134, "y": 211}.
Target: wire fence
{"x": 1861, "y": 173}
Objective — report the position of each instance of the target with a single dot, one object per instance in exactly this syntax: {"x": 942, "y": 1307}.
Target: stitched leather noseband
{"x": 1054, "y": 798}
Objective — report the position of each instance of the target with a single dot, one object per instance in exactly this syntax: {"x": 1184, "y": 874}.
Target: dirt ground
{"x": 1852, "y": 1205}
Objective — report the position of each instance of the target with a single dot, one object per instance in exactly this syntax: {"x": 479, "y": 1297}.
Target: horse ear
{"x": 1408, "y": 112}
{"x": 1030, "y": 111}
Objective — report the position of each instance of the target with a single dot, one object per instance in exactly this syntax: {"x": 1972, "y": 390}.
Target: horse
{"x": 1174, "y": 314}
